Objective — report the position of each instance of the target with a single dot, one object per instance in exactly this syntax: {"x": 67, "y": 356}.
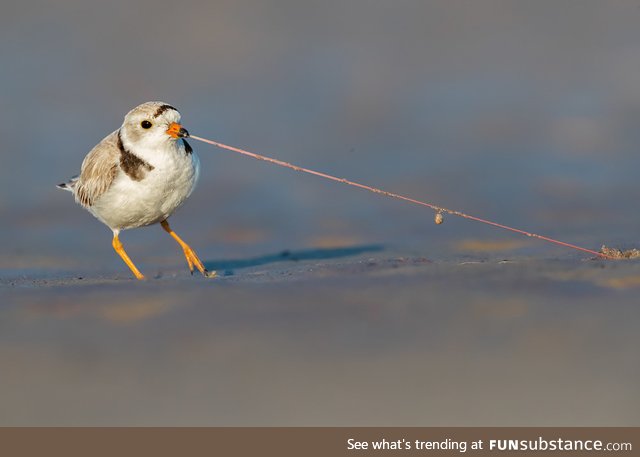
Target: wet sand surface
{"x": 327, "y": 337}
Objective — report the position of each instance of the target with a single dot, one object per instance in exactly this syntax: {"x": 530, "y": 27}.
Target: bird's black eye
{"x": 146, "y": 124}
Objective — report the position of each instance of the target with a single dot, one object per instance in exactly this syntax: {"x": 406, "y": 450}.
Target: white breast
{"x": 129, "y": 203}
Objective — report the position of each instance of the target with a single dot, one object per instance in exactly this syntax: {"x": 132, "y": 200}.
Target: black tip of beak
{"x": 183, "y": 133}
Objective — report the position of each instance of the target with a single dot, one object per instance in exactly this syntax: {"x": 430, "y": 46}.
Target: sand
{"x": 362, "y": 335}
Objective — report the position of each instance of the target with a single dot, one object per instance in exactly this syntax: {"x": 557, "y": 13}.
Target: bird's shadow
{"x": 227, "y": 266}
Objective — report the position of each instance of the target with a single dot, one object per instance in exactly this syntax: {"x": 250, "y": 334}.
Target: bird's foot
{"x": 194, "y": 261}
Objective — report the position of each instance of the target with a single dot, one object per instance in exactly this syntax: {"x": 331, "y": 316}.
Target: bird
{"x": 139, "y": 175}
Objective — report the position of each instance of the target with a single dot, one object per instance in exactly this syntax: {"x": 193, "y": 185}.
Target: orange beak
{"x": 175, "y": 130}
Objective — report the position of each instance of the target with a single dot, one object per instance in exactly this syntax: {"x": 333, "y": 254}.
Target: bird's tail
{"x": 69, "y": 185}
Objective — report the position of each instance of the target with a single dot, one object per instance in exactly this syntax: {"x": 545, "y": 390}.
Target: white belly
{"x": 129, "y": 203}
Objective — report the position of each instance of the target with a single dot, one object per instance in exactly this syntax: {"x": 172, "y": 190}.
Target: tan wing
{"x": 99, "y": 168}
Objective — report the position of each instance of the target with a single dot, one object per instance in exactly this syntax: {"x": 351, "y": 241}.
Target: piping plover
{"x": 138, "y": 176}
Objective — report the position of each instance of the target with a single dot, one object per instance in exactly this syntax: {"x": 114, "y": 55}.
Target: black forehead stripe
{"x": 162, "y": 108}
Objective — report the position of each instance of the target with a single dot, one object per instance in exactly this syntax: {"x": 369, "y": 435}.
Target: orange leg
{"x": 190, "y": 254}
{"x": 117, "y": 245}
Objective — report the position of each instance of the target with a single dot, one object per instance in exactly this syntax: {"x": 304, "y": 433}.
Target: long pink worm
{"x": 436, "y": 208}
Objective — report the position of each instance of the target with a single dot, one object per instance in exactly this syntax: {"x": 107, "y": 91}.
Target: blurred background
{"x": 526, "y": 113}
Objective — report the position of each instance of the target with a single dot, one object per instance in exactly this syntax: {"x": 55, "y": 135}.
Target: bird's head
{"x": 153, "y": 124}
